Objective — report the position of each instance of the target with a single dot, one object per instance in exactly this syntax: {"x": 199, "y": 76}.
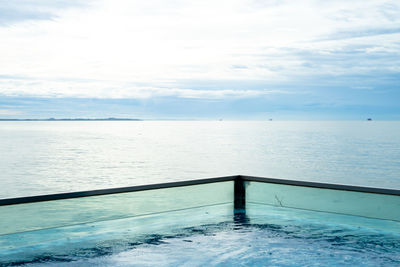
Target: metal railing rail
{"x": 362, "y": 189}
{"x": 99, "y": 192}
{"x": 239, "y": 189}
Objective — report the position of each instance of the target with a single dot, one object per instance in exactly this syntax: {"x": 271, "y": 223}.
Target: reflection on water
{"x": 49, "y": 157}
{"x": 212, "y": 235}
{"x": 244, "y": 244}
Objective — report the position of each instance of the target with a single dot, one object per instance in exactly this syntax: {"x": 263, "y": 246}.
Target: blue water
{"x": 49, "y": 157}
{"x": 258, "y": 245}
{"x": 274, "y": 237}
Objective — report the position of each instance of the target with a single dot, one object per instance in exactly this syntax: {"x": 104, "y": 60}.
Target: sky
{"x": 209, "y": 59}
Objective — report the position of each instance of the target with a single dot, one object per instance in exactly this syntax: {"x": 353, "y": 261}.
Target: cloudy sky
{"x": 209, "y": 59}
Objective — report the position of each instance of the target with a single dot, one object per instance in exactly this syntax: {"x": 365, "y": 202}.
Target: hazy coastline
{"x": 74, "y": 119}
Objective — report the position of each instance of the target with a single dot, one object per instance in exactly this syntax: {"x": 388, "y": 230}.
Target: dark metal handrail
{"x": 374, "y": 190}
{"x": 239, "y": 189}
{"x": 99, "y": 192}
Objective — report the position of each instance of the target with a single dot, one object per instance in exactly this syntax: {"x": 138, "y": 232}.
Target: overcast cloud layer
{"x": 340, "y": 56}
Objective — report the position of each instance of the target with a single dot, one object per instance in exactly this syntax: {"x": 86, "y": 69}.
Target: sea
{"x": 45, "y": 157}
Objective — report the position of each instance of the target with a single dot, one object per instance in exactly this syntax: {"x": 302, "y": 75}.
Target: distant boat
{"x": 369, "y": 119}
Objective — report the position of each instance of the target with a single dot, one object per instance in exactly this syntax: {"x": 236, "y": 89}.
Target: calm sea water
{"x": 49, "y": 157}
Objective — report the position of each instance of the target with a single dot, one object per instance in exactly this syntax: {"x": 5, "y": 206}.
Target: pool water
{"x": 263, "y": 245}
{"x": 265, "y": 236}
{"x": 233, "y": 244}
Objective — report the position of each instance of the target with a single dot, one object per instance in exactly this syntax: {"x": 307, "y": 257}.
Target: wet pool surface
{"x": 265, "y": 236}
{"x": 243, "y": 244}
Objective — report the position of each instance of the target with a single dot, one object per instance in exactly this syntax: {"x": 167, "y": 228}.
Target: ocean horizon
{"x": 52, "y": 157}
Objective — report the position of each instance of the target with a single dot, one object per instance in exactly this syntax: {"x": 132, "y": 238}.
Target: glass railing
{"x": 66, "y": 223}
{"x": 32, "y": 224}
{"x": 309, "y": 197}
{"x": 73, "y": 211}
{"x": 60, "y": 210}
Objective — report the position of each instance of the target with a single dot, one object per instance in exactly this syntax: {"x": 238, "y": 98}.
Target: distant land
{"x": 74, "y": 119}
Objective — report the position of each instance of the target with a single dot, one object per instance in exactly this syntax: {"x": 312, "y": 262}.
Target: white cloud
{"x": 115, "y": 43}
{"x": 116, "y": 90}
{"x": 9, "y": 112}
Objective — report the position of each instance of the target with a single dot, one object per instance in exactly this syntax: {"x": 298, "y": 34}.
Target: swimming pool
{"x": 201, "y": 224}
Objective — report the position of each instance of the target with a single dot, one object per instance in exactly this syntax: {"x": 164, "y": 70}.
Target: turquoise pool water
{"x": 233, "y": 244}
{"x": 265, "y": 236}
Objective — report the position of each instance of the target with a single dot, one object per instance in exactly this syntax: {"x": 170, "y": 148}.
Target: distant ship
{"x": 369, "y": 119}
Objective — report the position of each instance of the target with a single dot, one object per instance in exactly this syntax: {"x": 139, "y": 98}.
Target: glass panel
{"x": 69, "y": 212}
{"x": 289, "y": 217}
{"x": 369, "y": 205}
{"x": 102, "y": 237}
